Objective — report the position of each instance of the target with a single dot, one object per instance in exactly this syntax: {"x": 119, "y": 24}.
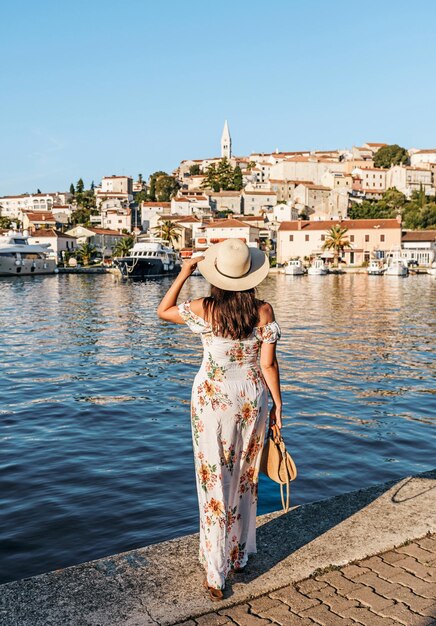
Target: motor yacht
{"x": 150, "y": 257}
{"x": 18, "y": 257}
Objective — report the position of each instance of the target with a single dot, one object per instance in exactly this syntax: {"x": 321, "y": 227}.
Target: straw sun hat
{"x": 233, "y": 266}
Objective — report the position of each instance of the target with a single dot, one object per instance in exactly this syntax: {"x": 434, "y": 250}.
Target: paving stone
{"x": 354, "y": 571}
{"x": 411, "y": 565}
{"x": 413, "y": 549}
{"x": 404, "y": 615}
{"x": 428, "y": 543}
{"x": 263, "y": 604}
{"x": 212, "y": 619}
{"x": 282, "y": 614}
{"x": 338, "y": 581}
{"x": 310, "y": 584}
{"x": 417, "y": 585}
{"x": 293, "y": 598}
{"x": 368, "y": 618}
{"x": 430, "y": 611}
{"x": 391, "y": 557}
{"x": 380, "y": 585}
{"x": 370, "y": 598}
{"x": 380, "y": 567}
{"x": 414, "y": 602}
{"x": 337, "y": 603}
{"x": 190, "y": 622}
{"x": 241, "y": 615}
{"x": 322, "y": 615}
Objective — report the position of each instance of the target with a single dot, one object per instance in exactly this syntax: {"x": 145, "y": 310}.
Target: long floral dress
{"x": 229, "y": 411}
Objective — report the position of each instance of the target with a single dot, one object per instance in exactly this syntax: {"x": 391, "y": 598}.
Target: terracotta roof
{"x": 350, "y": 224}
{"x": 318, "y": 187}
{"x": 369, "y": 143}
{"x": 158, "y": 204}
{"x": 372, "y": 169}
{"x": 429, "y": 151}
{"x": 228, "y": 223}
{"x": 419, "y": 235}
{"x": 417, "y": 169}
{"x": 41, "y": 216}
{"x": 109, "y": 177}
{"x": 51, "y": 232}
{"x": 189, "y": 219}
{"x": 105, "y": 231}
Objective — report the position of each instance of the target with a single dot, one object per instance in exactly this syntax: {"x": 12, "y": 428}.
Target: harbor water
{"x": 96, "y": 454}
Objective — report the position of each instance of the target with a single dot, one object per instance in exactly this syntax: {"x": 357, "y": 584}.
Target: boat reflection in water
{"x": 18, "y": 257}
{"x": 150, "y": 257}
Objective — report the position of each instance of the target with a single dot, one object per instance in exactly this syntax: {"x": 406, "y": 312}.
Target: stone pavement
{"x": 394, "y": 587}
{"x": 161, "y": 584}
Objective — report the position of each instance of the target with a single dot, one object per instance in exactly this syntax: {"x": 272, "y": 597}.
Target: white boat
{"x": 294, "y": 267}
{"x": 18, "y": 257}
{"x": 317, "y": 268}
{"x": 396, "y": 265}
{"x": 432, "y": 270}
{"x": 375, "y": 268}
{"x": 150, "y": 257}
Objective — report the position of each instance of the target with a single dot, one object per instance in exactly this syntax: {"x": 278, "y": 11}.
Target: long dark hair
{"x": 233, "y": 314}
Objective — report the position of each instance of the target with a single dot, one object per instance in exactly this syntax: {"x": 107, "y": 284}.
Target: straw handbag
{"x": 277, "y": 463}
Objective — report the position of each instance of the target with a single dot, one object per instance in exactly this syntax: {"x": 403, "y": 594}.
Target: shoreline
{"x": 162, "y": 583}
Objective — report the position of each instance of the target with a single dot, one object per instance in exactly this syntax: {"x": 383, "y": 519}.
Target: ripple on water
{"x": 95, "y": 396}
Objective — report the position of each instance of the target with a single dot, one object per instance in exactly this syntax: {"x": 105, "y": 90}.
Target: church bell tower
{"x": 226, "y": 142}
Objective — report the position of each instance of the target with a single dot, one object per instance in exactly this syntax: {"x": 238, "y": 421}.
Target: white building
{"x": 422, "y": 156}
{"x": 219, "y": 230}
{"x": 103, "y": 239}
{"x": 420, "y": 246}
{"x": 59, "y": 242}
{"x": 151, "y": 212}
{"x": 14, "y": 206}
{"x": 225, "y": 201}
{"x": 115, "y": 187}
{"x": 190, "y": 205}
{"x": 373, "y": 178}
{"x": 256, "y": 202}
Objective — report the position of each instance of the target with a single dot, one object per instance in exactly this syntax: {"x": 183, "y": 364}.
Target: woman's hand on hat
{"x": 189, "y": 265}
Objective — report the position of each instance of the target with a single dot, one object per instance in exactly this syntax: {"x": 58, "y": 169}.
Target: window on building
{"x": 291, "y": 237}
{"x": 366, "y": 237}
{"x": 382, "y": 237}
{"x": 322, "y": 237}
{"x": 306, "y": 237}
{"x": 351, "y": 237}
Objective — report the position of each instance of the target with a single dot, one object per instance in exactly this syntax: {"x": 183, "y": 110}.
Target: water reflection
{"x": 91, "y": 380}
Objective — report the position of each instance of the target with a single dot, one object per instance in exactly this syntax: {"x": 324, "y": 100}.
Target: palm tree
{"x": 122, "y": 247}
{"x": 336, "y": 241}
{"x": 85, "y": 252}
{"x": 168, "y": 231}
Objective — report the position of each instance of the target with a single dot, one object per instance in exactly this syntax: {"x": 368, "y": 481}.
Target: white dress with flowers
{"x": 229, "y": 411}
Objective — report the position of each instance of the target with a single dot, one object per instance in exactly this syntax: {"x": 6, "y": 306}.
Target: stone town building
{"x": 37, "y": 221}
{"x": 219, "y": 230}
{"x": 58, "y": 241}
{"x": 104, "y": 239}
{"x": 151, "y": 212}
{"x": 314, "y": 199}
{"x": 367, "y": 237}
{"x": 256, "y": 201}
{"x": 420, "y": 246}
{"x": 225, "y": 201}
{"x": 115, "y": 187}
{"x": 373, "y": 178}
{"x": 408, "y": 179}
{"x": 190, "y": 205}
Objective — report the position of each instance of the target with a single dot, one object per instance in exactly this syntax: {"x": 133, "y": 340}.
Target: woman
{"x": 229, "y": 407}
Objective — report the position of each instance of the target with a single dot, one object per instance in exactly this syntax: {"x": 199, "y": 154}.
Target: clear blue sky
{"x": 95, "y": 88}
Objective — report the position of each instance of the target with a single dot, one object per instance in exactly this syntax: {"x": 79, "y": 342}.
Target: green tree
{"x": 152, "y": 184}
{"x": 168, "y": 231}
{"x": 211, "y": 178}
{"x": 194, "y": 170}
{"x": 92, "y": 186}
{"x": 336, "y": 241}
{"x": 86, "y": 252}
{"x": 166, "y": 188}
{"x": 237, "y": 178}
{"x": 72, "y": 190}
{"x": 123, "y": 246}
{"x": 80, "y": 186}
{"x": 140, "y": 197}
{"x": 390, "y": 155}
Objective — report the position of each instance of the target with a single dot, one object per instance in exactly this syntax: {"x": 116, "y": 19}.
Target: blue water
{"x": 95, "y": 453}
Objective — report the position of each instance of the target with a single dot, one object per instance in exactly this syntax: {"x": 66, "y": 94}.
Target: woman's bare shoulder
{"x": 197, "y": 307}
{"x": 266, "y": 313}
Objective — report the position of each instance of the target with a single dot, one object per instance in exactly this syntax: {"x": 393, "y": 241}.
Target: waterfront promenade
{"x": 317, "y": 564}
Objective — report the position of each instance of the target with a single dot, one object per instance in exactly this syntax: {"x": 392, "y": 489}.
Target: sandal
{"x": 214, "y": 594}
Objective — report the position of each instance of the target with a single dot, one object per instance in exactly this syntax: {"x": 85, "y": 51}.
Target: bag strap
{"x": 275, "y": 434}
